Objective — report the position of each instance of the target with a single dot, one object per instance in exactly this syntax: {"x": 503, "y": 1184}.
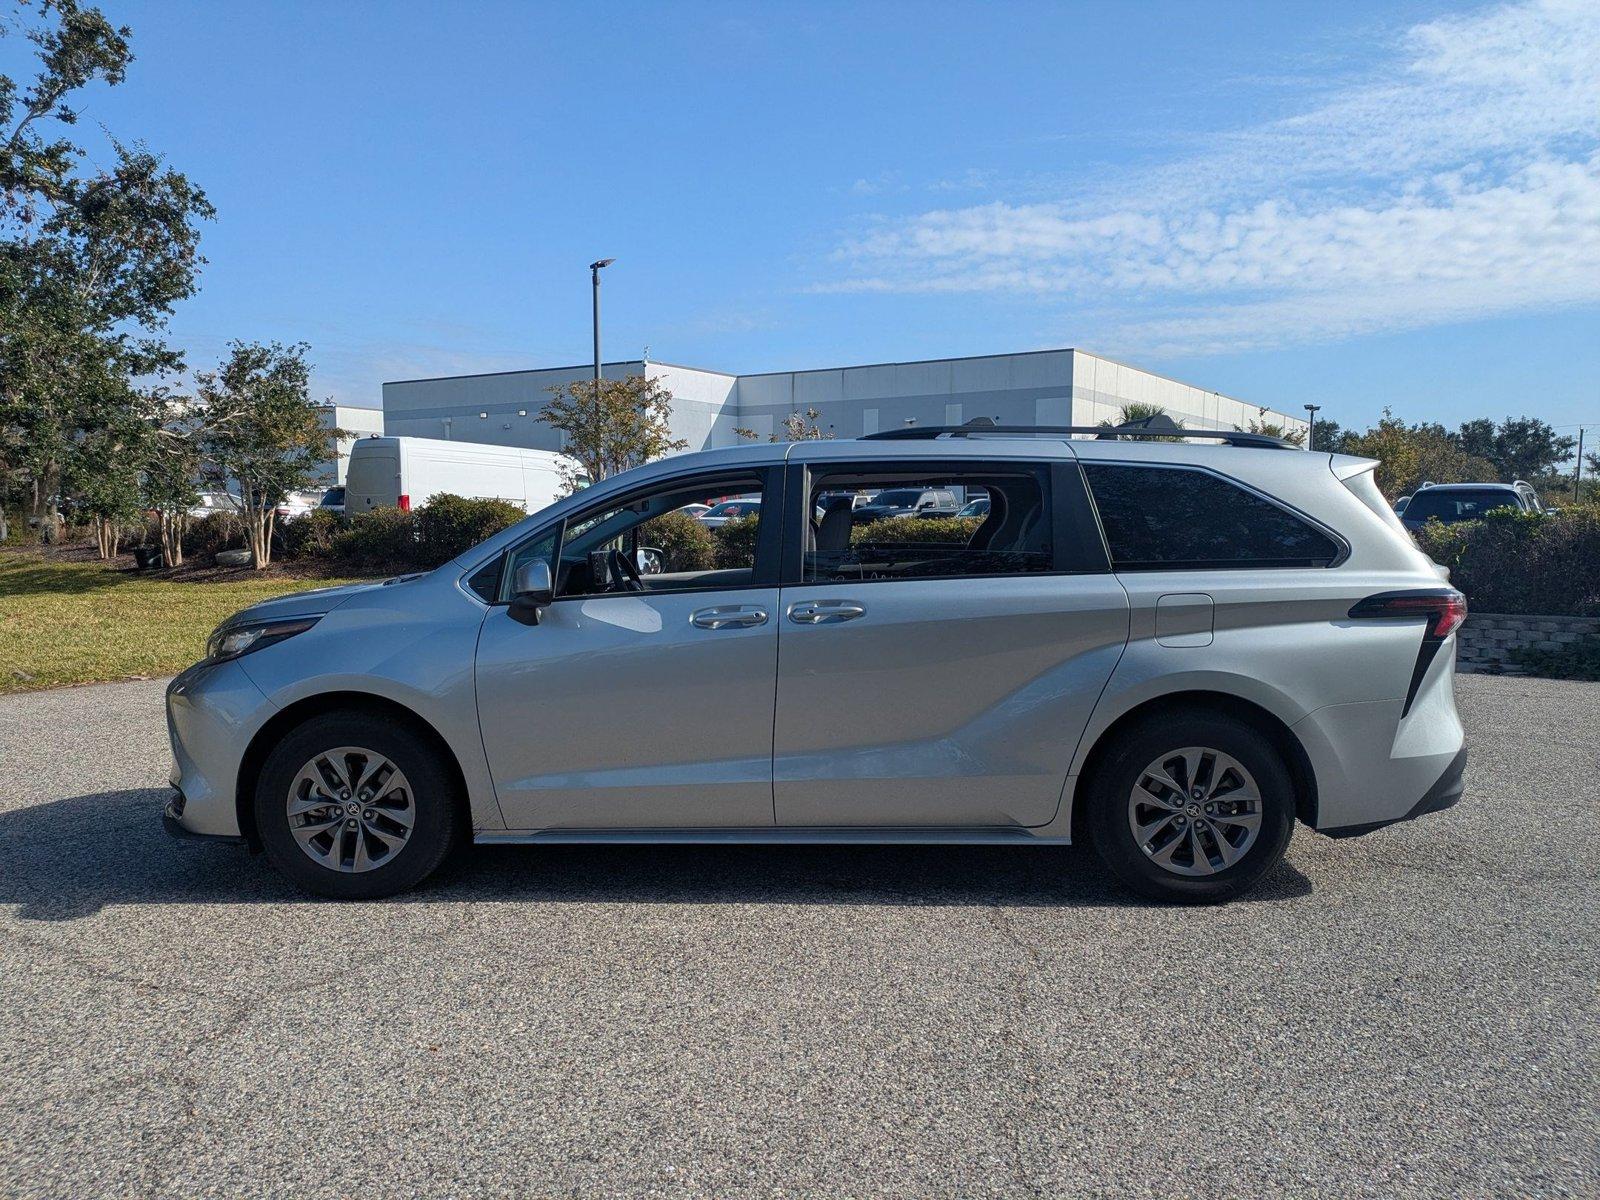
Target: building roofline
{"x": 915, "y": 362}
{"x": 621, "y": 362}
{"x": 911, "y": 362}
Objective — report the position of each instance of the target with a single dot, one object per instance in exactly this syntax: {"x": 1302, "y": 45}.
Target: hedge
{"x": 1517, "y": 562}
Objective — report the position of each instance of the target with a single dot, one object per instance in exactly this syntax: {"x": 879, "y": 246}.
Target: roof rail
{"x": 1158, "y": 426}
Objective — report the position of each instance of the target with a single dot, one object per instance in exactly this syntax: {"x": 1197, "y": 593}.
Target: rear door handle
{"x": 825, "y": 612}
{"x": 730, "y": 616}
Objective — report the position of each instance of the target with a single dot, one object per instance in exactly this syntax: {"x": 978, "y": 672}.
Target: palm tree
{"x": 1131, "y": 414}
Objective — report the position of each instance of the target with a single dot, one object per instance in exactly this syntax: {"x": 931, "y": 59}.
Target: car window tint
{"x": 1159, "y": 518}
{"x": 1464, "y": 504}
{"x": 887, "y": 539}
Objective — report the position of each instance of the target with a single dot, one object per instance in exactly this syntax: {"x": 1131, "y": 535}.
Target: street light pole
{"x": 594, "y": 275}
{"x": 1311, "y": 425}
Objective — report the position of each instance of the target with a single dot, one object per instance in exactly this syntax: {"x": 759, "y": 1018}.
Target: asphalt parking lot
{"x": 1413, "y": 1013}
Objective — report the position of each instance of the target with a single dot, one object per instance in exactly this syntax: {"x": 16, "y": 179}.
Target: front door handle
{"x": 730, "y": 616}
{"x": 825, "y": 612}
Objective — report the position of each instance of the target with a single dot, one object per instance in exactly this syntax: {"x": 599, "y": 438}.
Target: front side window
{"x": 655, "y": 541}
{"x": 1172, "y": 518}
{"x": 891, "y": 537}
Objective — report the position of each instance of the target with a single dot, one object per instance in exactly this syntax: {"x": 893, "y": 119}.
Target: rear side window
{"x": 1171, "y": 518}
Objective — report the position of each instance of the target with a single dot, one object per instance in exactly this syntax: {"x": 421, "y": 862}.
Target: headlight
{"x": 230, "y": 641}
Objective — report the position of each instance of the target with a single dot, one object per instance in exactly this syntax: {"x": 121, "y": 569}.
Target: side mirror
{"x": 532, "y": 591}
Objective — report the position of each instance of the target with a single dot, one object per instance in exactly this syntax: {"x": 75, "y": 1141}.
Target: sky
{"x": 1360, "y": 205}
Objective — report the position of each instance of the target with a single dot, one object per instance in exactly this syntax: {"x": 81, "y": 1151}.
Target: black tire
{"x": 1120, "y": 769}
{"x": 435, "y": 799}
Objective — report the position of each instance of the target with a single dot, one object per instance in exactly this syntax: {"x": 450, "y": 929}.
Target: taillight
{"x": 405, "y": 503}
{"x": 1444, "y": 608}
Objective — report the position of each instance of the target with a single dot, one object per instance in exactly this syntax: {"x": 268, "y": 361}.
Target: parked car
{"x": 406, "y": 472}
{"x": 207, "y": 503}
{"x": 731, "y": 510}
{"x": 333, "y": 501}
{"x": 908, "y": 502}
{"x": 975, "y": 508}
{"x": 1451, "y": 503}
{"x": 298, "y": 504}
{"x": 696, "y": 510}
{"x": 1173, "y": 651}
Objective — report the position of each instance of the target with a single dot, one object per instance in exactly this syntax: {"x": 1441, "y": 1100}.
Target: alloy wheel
{"x": 350, "y": 809}
{"x": 1195, "y": 811}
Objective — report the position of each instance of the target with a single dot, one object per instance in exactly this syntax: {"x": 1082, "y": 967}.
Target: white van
{"x": 406, "y": 472}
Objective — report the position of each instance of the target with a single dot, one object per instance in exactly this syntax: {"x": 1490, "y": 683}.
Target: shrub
{"x": 685, "y": 544}
{"x": 1581, "y": 660}
{"x": 1517, "y": 562}
{"x": 953, "y": 530}
{"x": 384, "y": 538}
{"x": 736, "y": 543}
{"x": 212, "y": 532}
{"x": 310, "y": 535}
{"x": 451, "y": 525}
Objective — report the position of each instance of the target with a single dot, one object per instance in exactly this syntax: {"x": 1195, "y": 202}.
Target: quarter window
{"x": 1169, "y": 518}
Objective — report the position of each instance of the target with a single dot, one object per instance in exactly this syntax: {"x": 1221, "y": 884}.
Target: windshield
{"x": 735, "y": 508}
{"x": 897, "y": 498}
{"x": 974, "y": 508}
{"x": 1458, "y": 504}
{"x": 334, "y": 495}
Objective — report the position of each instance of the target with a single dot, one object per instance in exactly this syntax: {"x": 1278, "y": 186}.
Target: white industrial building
{"x": 1046, "y": 387}
{"x": 355, "y": 422}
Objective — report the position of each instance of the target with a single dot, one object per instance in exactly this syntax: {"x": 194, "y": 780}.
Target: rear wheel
{"x": 1192, "y": 807}
{"x": 356, "y": 807}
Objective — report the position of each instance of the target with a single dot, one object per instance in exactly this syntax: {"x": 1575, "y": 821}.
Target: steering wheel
{"x": 625, "y": 572}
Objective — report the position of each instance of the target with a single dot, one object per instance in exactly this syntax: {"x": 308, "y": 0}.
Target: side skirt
{"x": 792, "y": 837}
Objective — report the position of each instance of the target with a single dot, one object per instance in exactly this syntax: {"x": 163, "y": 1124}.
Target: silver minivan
{"x": 1173, "y": 650}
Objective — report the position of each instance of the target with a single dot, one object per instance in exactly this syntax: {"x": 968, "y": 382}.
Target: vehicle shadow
{"x": 70, "y": 858}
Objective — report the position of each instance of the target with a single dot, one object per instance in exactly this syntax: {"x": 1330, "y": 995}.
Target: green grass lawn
{"x": 64, "y": 621}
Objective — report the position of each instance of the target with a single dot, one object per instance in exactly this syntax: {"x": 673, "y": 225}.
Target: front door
{"x": 644, "y": 698}
{"x": 939, "y": 672}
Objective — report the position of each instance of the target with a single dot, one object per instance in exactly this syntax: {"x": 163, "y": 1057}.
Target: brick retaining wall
{"x": 1485, "y": 640}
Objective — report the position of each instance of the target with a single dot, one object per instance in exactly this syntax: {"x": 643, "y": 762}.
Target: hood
{"x": 302, "y": 604}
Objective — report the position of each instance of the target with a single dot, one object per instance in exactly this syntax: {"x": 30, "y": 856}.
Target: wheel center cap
{"x": 1194, "y": 810}
{"x": 352, "y": 809}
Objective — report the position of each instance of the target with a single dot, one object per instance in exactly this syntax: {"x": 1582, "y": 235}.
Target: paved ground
{"x": 1413, "y": 1013}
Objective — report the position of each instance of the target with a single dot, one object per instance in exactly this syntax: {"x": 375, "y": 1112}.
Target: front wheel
{"x": 1192, "y": 808}
{"x": 355, "y": 806}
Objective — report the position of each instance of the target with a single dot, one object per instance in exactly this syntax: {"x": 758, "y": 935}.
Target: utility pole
{"x": 594, "y": 275}
{"x": 1311, "y": 425}
{"x": 1577, "y": 474}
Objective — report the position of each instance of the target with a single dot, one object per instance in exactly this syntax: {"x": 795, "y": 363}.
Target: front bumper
{"x": 213, "y": 710}
{"x": 172, "y": 822}
{"x": 1445, "y": 792}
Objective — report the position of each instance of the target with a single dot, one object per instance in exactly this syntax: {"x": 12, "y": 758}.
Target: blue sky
{"x": 1353, "y": 204}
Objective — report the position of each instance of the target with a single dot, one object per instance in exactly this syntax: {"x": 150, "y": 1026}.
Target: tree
{"x": 1326, "y": 435}
{"x": 623, "y": 423}
{"x": 260, "y": 429}
{"x": 1275, "y": 429}
{"x": 103, "y": 475}
{"x": 1132, "y": 414}
{"x": 796, "y": 427}
{"x": 172, "y": 471}
{"x": 1525, "y": 447}
{"x": 91, "y": 262}
{"x": 1410, "y": 455}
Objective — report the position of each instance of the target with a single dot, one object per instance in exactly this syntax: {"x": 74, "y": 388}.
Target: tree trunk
{"x": 171, "y": 524}
{"x": 258, "y": 530}
{"x": 45, "y": 510}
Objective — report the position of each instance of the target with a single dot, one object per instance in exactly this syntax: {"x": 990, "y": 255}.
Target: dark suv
{"x": 1451, "y": 503}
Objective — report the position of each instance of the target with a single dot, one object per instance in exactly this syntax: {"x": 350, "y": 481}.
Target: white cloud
{"x": 1462, "y": 181}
